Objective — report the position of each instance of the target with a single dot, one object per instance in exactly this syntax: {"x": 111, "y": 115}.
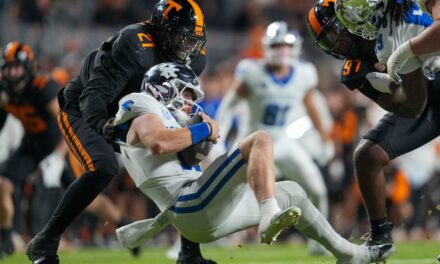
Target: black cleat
{"x": 43, "y": 249}
{"x": 191, "y": 259}
{"x": 8, "y": 247}
{"x": 135, "y": 252}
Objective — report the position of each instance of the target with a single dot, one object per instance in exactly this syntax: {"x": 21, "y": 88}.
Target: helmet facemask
{"x": 335, "y": 39}
{"x": 185, "y": 104}
{"x": 185, "y": 45}
{"x": 361, "y": 17}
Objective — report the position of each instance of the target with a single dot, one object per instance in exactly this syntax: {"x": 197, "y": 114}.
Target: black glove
{"x": 108, "y": 130}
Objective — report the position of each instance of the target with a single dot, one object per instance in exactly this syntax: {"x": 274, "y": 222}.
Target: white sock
{"x": 269, "y": 206}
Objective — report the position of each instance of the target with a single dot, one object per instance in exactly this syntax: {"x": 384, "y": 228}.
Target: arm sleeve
{"x": 50, "y": 91}
{"x": 115, "y": 65}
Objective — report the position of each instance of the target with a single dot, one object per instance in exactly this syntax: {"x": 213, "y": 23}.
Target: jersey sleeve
{"x": 116, "y": 64}
{"x": 135, "y": 104}
{"x": 50, "y": 91}
{"x": 353, "y": 72}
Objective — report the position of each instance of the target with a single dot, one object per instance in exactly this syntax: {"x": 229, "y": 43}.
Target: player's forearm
{"x": 314, "y": 116}
{"x": 389, "y": 103}
{"x": 167, "y": 141}
{"x": 428, "y": 41}
{"x": 61, "y": 148}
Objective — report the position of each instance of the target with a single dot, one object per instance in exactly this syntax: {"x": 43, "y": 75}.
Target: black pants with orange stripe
{"x": 89, "y": 148}
{"x": 99, "y": 161}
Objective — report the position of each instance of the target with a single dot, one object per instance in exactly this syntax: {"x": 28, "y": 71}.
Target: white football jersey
{"x": 159, "y": 176}
{"x": 275, "y": 103}
{"x": 392, "y": 36}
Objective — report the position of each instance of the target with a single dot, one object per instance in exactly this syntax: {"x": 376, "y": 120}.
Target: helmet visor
{"x": 187, "y": 45}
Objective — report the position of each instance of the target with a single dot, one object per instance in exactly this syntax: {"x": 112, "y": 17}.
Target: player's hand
{"x": 109, "y": 129}
{"x": 215, "y": 132}
{"x": 398, "y": 58}
{"x": 52, "y": 168}
{"x": 380, "y": 81}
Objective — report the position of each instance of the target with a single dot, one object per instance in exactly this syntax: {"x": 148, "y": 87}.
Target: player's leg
{"x": 296, "y": 164}
{"x": 100, "y": 162}
{"x": 210, "y": 200}
{"x": 314, "y": 225}
{"x": 392, "y": 137}
{"x": 6, "y": 212}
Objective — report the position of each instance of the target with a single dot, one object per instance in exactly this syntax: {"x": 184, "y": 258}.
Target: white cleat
{"x": 272, "y": 225}
{"x": 371, "y": 254}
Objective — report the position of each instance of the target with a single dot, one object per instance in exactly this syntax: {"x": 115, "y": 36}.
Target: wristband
{"x": 199, "y": 132}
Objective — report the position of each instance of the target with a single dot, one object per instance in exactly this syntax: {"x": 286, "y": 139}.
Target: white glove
{"x": 399, "y": 57}
{"x": 380, "y": 81}
{"x": 52, "y": 168}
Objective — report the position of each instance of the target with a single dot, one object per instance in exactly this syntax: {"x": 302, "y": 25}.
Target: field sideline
{"x": 408, "y": 253}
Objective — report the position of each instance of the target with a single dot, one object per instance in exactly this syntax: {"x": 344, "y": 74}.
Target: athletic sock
{"x": 269, "y": 206}
{"x": 76, "y": 198}
{"x": 189, "y": 248}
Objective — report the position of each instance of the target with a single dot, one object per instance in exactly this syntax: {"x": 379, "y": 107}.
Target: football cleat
{"x": 193, "y": 259}
{"x": 43, "y": 250}
{"x": 370, "y": 254}
{"x": 272, "y": 225}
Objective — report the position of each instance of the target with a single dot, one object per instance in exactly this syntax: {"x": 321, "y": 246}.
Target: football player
{"x": 391, "y": 23}
{"x": 279, "y": 90}
{"x": 393, "y": 135}
{"x": 176, "y": 32}
{"x": 31, "y": 98}
{"x": 239, "y": 186}
{"x": 427, "y": 42}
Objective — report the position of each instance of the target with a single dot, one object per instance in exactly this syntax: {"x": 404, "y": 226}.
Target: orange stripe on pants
{"x": 89, "y": 164}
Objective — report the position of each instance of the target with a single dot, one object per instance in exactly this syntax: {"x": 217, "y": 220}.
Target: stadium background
{"x": 62, "y": 32}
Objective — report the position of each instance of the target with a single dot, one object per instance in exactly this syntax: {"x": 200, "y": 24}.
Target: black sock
{"x": 189, "y": 247}
{"x": 76, "y": 198}
{"x": 379, "y": 226}
{"x": 5, "y": 233}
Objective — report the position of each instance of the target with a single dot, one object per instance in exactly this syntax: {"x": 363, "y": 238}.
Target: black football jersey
{"x": 353, "y": 71}
{"x": 31, "y": 108}
{"x": 114, "y": 70}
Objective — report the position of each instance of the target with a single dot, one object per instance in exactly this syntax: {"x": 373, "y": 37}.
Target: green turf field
{"x": 408, "y": 253}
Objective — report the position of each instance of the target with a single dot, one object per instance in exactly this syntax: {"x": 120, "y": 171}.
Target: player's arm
{"x": 152, "y": 133}
{"x": 429, "y": 40}
{"x": 116, "y": 65}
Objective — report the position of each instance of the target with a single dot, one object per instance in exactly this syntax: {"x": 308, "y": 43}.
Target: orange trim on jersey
{"x": 75, "y": 165}
{"x": 203, "y": 52}
{"x": 199, "y": 18}
{"x": 314, "y": 21}
{"x": 11, "y": 50}
{"x": 89, "y": 163}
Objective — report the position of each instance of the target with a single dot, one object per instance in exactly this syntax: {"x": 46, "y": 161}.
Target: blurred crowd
{"x": 62, "y": 32}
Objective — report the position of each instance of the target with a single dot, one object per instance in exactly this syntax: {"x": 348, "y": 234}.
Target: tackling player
{"x": 393, "y": 135}
{"x": 176, "y": 32}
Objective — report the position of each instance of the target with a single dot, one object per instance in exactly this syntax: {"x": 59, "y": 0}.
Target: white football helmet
{"x": 361, "y": 17}
{"x": 167, "y": 81}
{"x": 278, "y": 33}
